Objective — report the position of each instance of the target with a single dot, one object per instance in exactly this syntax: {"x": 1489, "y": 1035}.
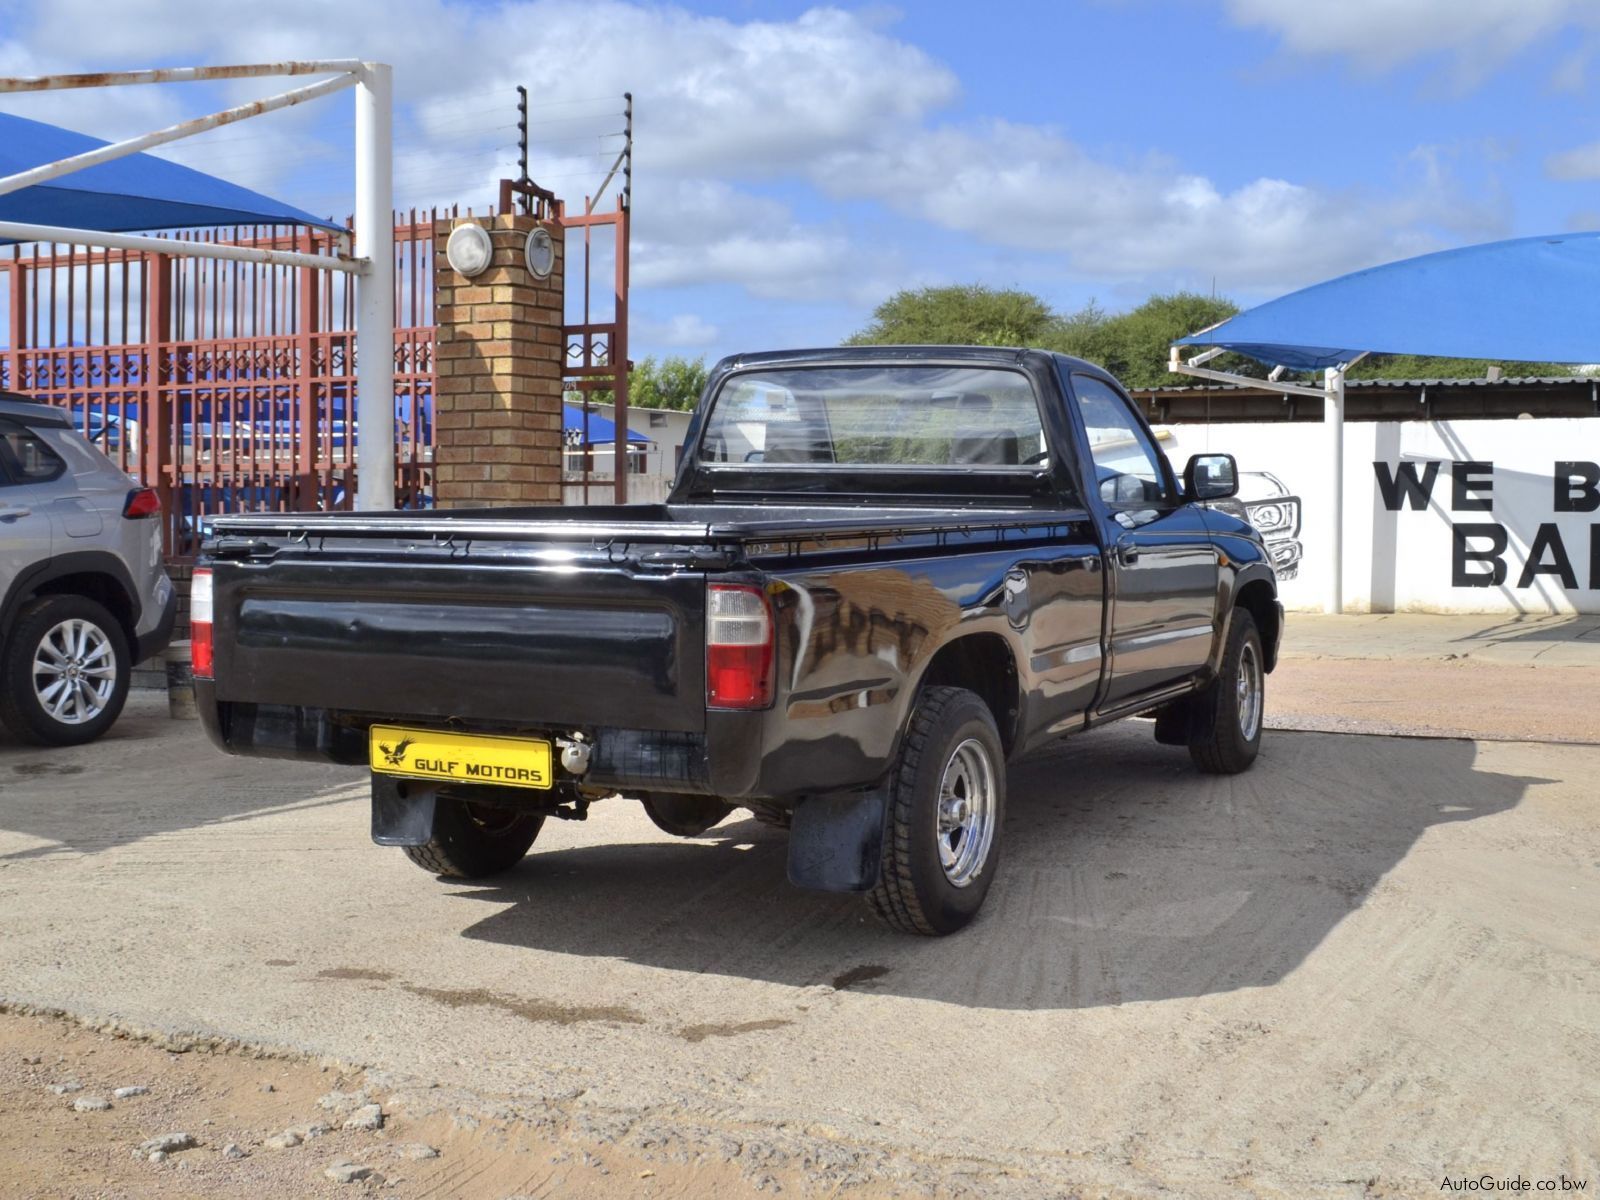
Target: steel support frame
{"x": 1331, "y": 393}
{"x": 372, "y": 264}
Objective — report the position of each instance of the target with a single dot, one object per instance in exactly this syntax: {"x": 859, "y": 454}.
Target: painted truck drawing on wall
{"x": 1266, "y": 503}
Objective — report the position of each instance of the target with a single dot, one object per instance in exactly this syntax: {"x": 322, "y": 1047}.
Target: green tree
{"x": 963, "y": 315}
{"x": 674, "y": 382}
{"x": 1133, "y": 345}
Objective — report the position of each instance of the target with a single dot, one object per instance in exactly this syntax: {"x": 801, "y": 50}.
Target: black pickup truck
{"x": 881, "y": 575}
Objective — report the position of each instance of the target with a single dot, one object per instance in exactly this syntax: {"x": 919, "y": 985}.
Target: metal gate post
{"x": 155, "y": 418}
{"x": 374, "y": 415}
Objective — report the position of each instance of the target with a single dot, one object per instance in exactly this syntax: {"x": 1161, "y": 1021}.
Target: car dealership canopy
{"x": 1531, "y": 299}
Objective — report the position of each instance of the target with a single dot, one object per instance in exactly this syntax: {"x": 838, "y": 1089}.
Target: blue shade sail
{"x": 138, "y": 192}
{"x": 1531, "y": 299}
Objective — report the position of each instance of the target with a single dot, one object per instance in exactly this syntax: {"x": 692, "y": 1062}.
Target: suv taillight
{"x": 142, "y": 502}
{"x": 200, "y": 623}
{"x": 740, "y": 640}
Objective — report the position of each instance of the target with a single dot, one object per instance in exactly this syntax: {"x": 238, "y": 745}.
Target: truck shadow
{"x": 148, "y": 775}
{"x": 1128, "y": 877}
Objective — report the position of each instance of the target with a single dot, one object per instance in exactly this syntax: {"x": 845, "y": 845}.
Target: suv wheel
{"x": 66, "y": 671}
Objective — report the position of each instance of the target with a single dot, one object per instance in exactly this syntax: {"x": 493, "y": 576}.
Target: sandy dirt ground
{"x": 1369, "y": 965}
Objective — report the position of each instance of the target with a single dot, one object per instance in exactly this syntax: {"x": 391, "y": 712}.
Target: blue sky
{"x": 796, "y": 164}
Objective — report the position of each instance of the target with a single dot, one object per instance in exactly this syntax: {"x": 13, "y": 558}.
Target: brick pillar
{"x": 498, "y": 354}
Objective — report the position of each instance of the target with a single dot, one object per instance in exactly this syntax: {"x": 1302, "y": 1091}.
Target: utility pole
{"x": 522, "y": 146}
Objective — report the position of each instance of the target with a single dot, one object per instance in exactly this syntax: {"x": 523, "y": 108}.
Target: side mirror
{"x": 1211, "y": 477}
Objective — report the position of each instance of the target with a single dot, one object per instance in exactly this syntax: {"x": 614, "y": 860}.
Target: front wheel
{"x": 946, "y": 807}
{"x": 1225, "y": 718}
{"x": 66, "y": 672}
{"x": 474, "y": 841}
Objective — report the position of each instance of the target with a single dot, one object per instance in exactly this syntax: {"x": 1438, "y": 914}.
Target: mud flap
{"x": 836, "y": 841}
{"x": 402, "y": 812}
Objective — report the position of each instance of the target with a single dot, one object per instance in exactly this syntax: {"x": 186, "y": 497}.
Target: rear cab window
{"x": 866, "y": 417}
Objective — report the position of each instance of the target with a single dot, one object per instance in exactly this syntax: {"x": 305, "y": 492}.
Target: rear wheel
{"x": 474, "y": 841}
{"x": 1225, "y": 718}
{"x": 66, "y": 672}
{"x": 946, "y": 807}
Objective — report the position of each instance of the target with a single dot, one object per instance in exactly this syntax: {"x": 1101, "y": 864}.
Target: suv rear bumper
{"x": 148, "y": 645}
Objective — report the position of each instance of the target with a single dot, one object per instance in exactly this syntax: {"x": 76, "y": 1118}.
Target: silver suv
{"x": 80, "y": 564}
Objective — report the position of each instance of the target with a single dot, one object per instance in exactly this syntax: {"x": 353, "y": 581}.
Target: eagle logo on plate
{"x": 396, "y": 756}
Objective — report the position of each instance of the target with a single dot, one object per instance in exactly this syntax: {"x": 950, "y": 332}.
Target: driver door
{"x": 1164, "y": 572}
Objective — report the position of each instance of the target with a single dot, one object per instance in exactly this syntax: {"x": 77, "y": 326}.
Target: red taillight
{"x": 142, "y": 502}
{"x": 200, "y": 623}
{"x": 740, "y": 641}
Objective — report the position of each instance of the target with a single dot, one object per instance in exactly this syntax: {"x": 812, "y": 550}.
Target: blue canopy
{"x": 601, "y": 429}
{"x": 1531, "y": 299}
{"x": 138, "y": 192}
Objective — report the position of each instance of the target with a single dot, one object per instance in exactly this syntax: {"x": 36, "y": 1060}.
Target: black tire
{"x": 685, "y": 816}
{"x": 475, "y": 841}
{"x": 1224, "y": 733}
{"x": 20, "y": 705}
{"x": 914, "y": 893}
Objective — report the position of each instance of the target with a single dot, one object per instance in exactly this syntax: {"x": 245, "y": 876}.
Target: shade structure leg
{"x": 375, "y": 451}
{"x": 1333, "y": 422}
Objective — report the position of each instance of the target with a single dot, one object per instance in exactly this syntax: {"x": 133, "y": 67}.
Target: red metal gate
{"x": 230, "y": 387}
{"x": 227, "y": 386}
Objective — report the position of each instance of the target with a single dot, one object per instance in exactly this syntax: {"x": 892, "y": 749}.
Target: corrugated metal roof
{"x": 1409, "y": 384}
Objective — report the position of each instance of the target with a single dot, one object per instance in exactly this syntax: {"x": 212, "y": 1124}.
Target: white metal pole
{"x": 22, "y": 231}
{"x": 1333, "y": 418}
{"x": 374, "y": 215}
{"x": 240, "y": 112}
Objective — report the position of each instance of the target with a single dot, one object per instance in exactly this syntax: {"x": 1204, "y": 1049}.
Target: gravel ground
{"x": 1365, "y": 966}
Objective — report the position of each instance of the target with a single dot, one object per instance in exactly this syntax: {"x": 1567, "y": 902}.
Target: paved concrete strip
{"x": 1436, "y": 698}
{"x": 1367, "y": 959}
{"x": 1540, "y": 641}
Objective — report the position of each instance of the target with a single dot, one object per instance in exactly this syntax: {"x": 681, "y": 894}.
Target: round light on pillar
{"x": 540, "y": 253}
{"x": 469, "y": 250}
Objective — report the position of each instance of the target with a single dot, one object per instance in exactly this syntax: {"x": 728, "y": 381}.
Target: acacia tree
{"x": 671, "y": 382}
{"x": 961, "y": 315}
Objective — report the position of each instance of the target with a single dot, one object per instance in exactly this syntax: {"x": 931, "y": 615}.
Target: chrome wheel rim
{"x": 1248, "y": 687}
{"x": 74, "y": 671}
{"x": 966, "y": 812}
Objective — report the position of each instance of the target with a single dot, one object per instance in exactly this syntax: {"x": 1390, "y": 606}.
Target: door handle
{"x": 1127, "y": 555}
{"x": 8, "y": 514}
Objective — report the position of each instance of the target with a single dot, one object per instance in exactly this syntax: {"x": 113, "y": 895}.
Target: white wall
{"x": 1405, "y": 560}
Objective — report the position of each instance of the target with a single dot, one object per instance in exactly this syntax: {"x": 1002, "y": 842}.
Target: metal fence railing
{"x": 227, "y": 386}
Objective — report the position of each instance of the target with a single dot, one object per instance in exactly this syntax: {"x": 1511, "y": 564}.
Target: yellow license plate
{"x": 460, "y": 757}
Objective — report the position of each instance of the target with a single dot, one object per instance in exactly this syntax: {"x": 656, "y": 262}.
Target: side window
{"x": 26, "y": 458}
{"x": 1126, "y": 468}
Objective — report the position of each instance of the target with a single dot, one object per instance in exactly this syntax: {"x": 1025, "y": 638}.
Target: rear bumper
{"x": 148, "y": 645}
{"x": 724, "y": 761}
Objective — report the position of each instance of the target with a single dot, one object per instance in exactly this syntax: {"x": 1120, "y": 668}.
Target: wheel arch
{"x": 1259, "y": 597}
{"x": 986, "y": 664}
{"x": 95, "y": 575}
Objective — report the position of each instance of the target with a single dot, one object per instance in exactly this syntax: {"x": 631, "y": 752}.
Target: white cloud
{"x": 733, "y": 115}
{"x": 1025, "y": 186}
{"x": 682, "y": 330}
{"x": 1581, "y": 162}
{"x": 1381, "y": 34}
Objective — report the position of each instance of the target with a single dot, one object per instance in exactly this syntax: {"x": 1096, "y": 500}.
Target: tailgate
{"x": 502, "y": 633}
